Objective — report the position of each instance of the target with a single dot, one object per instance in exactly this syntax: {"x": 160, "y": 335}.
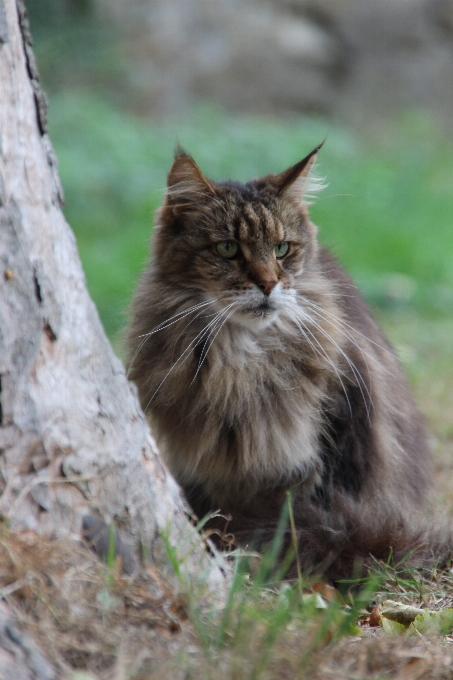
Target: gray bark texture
{"x": 73, "y": 440}
{"x": 19, "y": 657}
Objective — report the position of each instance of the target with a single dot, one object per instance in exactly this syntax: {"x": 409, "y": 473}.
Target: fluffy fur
{"x": 261, "y": 373}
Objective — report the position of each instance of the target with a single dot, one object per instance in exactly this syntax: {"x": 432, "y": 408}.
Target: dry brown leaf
{"x": 328, "y": 592}
{"x": 375, "y": 616}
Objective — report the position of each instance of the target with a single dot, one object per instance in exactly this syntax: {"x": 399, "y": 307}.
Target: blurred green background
{"x": 386, "y": 214}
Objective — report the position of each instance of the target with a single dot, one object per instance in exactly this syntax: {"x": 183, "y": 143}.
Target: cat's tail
{"x": 347, "y": 544}
{"x": 350, "y": 552}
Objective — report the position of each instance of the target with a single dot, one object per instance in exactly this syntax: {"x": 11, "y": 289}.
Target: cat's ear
{"x": 297, "y": 182}
{"x": 186, "y": 184}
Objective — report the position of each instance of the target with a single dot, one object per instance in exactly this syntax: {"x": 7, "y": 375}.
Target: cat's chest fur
{"x": 251, "y": 417}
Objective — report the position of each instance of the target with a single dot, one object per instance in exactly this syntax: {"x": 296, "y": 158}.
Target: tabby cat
{"x": 262, "y": 370}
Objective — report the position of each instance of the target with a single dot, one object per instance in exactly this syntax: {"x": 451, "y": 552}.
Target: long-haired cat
{"x": 262, "y": 370}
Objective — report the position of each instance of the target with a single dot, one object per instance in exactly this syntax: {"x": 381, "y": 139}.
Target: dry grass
{"x": 84, "y": 615}
{"x": 384, "y": 657}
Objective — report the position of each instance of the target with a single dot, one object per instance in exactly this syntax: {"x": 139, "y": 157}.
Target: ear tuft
{"x": 180, "y": 152}
{"x": 186, "y": 183}
{"x": 298, "y": 184}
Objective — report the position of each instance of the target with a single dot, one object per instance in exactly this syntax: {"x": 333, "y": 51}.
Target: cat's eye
{"x": 227, "y": 249}
{"x": 281, "y": 249}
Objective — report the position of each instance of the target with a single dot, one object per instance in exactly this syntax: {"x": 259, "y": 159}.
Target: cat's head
{"x": 245, "y": 244}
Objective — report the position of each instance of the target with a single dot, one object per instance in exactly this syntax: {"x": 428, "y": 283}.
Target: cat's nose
{"x": 267, "y": 286}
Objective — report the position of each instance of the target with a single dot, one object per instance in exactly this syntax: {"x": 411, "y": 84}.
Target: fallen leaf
{"x": 428, "y": 622}
{"x": 329, "y": 592}
{"x": 392, "y": 627}
{"x": 375, "y": 616}
{"x": 399, "y": 612}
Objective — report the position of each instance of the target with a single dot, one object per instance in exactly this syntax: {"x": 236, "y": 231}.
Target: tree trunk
{"x": 73, "y": 439}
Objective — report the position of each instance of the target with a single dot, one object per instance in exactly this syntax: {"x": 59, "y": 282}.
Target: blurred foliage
{"x": 386, "y": 212}
{"x": 74, "y": 47}
{"x": 50, "y": 15}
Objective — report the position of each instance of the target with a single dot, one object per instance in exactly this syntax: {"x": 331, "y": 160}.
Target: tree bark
{"x": 73, "y": 439}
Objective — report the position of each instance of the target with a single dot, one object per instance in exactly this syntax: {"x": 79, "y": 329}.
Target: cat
{"x": 263, "y": 371}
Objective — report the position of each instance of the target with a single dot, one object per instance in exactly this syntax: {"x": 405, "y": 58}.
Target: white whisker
{"x": 185, "y": 354}
{"x": 352, "y": 366}
{"x": 304, "y": 332}
{"x": 189, "y": 324}
{"x": 177, "y": 317}
{"x": 165, "y": 324}
{"x": 384, "y": 349}
{"x": 203, "y": 356}
{"x": 334, "y": 320}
